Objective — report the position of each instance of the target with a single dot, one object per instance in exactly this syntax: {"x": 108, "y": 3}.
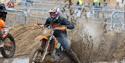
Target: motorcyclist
{"x": 97, "y": 3}
{"x": 2, "y": 26}
{"x": 3, "y": 13}
{"x": 3, "y": 33}
{"x": 61, "y": 24}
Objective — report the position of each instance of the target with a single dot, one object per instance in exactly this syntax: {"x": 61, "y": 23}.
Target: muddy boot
{"x": 72, "y": 56}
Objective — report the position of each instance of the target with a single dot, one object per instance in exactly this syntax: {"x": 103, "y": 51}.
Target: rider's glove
{"x": 4, "y": 36}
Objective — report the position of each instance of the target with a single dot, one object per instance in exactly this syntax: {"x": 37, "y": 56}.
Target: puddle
{"x": 21, "y": 59}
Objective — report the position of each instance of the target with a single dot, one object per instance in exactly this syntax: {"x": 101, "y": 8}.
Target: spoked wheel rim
{"x": 8, "y": 48}
{"x": 36, "y": 58}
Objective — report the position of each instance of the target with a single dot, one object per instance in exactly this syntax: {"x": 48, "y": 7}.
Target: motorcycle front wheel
{"x": 9, "y": 48}
{"x": 37, "y": 55}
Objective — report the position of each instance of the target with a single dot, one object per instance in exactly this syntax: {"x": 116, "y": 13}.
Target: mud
{"x": 95, "y": 45}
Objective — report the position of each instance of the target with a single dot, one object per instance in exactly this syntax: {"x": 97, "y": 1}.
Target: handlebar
{"x": 50, "y": 27}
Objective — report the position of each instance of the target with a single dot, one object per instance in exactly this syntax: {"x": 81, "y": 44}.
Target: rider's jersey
{"x": 58, "y": 22}
{"x": 2, "y": 24}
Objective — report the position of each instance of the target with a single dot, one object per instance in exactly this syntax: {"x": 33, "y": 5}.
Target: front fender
{"x": 41, "y": 37}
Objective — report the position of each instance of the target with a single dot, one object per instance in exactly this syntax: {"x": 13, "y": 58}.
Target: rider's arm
{"x": 68, "y": 24}
{"x": 47, "y": 23}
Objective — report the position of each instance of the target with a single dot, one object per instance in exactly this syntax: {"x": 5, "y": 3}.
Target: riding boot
{"x": 72, "y": 55}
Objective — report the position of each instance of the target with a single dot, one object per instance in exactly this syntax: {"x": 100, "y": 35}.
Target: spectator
{"x": 97, "y": 3}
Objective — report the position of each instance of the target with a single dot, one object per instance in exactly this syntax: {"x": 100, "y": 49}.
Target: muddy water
{"x": 20, "y": 59}
{"x": 25, "y": 59}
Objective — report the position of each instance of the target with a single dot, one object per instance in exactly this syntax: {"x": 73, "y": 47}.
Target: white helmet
{"x": 54, "y": 12}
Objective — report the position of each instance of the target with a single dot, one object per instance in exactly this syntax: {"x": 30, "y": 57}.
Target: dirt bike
{"x": 41, "y": 54}
{"x": 7, "y": 44}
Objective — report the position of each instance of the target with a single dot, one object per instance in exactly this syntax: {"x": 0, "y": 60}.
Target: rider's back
{"x": 2, "y": 24}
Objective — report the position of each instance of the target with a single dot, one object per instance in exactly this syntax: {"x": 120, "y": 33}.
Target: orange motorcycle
{"x": 7, "y": 44}
{"x": 44, "y": 50}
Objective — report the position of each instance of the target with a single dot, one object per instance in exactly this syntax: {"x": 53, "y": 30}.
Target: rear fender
{"x": 44, "y": 39}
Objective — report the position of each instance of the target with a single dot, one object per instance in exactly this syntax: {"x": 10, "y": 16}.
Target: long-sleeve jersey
{"x": 59, "y": 22}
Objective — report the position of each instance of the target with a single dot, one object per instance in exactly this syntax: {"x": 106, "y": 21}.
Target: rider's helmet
{"x": 2, "y": 8}
{"x": 54, "y": 13}
{"x": 3, "y": 12}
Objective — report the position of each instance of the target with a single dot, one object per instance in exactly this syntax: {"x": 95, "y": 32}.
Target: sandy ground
{"x": 22, "y": 34}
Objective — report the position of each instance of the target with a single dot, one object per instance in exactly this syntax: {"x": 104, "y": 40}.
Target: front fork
{"x": 47, "y": 45}
{"x": 45, "y": 52}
